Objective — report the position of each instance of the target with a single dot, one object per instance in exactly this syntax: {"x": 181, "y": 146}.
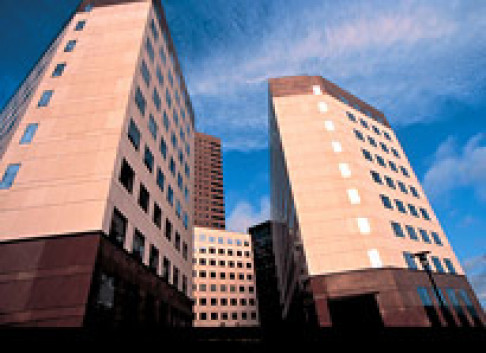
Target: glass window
{"x": 170, "y": 195}
{"x": 29, "y": 133}
{"x": 424, "y": 296}
{"x": 450, "y": 266}
{"x": 154, "y": 259}
{"x": 411, "y": 232}
{"x": 372, "y": 141}
{"x": 153, "y": 28}
{"x": 386, "y": 201}
{"x": 45, "y": 98}
{"x": 437, "y": 264}
{"x": 168, "y": 98}
{"x": 150, "y": 49}
{"x": 424, "y": 213}
{"x": 80, "y": 25}
{"x": 127, "y": 176}
{"x": 118, "y": 227}
{"x": 400, "y": 206}
{"x": 405, "y": 171}
{"x": 376, "y": 177}
{"x": 166, "y": 121}
{"x": 402, "y": 187}
{"x": 397, "y": 229}
{"x": 157, "y": 217}
{"x": 70, "y": 46}
{"x": 414, "y": 192}
{"x": 145, "y": 73}
{"x": 148, "y": 159}
{"x": 152, "y": 126}
{"x": 162, "y": 55}
{"x": 160, "y": 76}
{"x": 172, "y": 166}
{"x": 59, "y": 69}
{"x": 140, "y": 101}
{"x": 358, "y": 135}
{"x": 410, "y": 260}
{"x": 143, "y": 198}
{"x": 387, "y": 136}
{"x": 384, "y": 148}
{"x": 395, "y": 152}
{"x": 393, "y": 166}
{"x": 380, "y": 161}
{"x": 156, "y": 99}
{"x": 367, "y": 155}
{"x": 160, "y": 179}
{"x": 436, "y": 238}
{"x": 363, "y": 123}
{"x": 168, "y": 229}
{"x": 375, "y": 130}
{"x": 389, "y": 182}
{"x": 138, "y": 245}
{"x": 351, "y": 117}
{"x": 134, "y": 134}
{"x": 424, "y": 235}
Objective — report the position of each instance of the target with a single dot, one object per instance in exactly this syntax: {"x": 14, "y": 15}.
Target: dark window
{"x": 351, "y": 117}
{"x": 395, "y": 152}
{"x": 148, "y": 159}
{"x": 414, "y": 192}
{"x": 138, "y": 245}
{"x": 402, "y": 187}
{"x": 80, "y": 25}
{"x": 143, "y": 198}
{"x": 372, "y": 141}
{"x": 177, "y": 241}
{"x": 70, "y": 46}
{"x": 154, "y": 259}
{"x": 145, "y": 73}
{"x": 376, "y": 177}
{"x": 175, "y": 277}
{"x": 367, "y": 155}
{"x": 404, "y": 171}
{"x": 156, "y": 99}
{"x": 168, "y": 229}
{"x": 160, "y": 179}
{"x": 170, "y": 195}
{"x": 358, "y": 135}
{"x": 134, "y": 134}
{"x": 400, "y": 206}
{"x": 424, "y": 235}
{"x": 424, "y": 213}
{"x": 389, "y": 182}
{"x": 411, "y": 232}
{"x": 387, "y": 136}
{"x": 163, "y": 147}
{"x": 383, "y": 147}
{"x": 393, "y": 166}
{"x": 153, "y": 28}
{"x": 45, "y": 98}
{"x": 152, "y": 126}
{"x": 397, "y": 229}
{"x": 127, "y": 175}
{"x": 436, "y": 238}
{"x": 160, "y": 77}
{"x": 450, "y": 266}
{"x": 140, "y": 101}
{"x": 58, "y": 71}
{"x": 363, "y": 123}
{"x": 150, "y": 49}
{"x": 157, "y": 215}
{"x": 118, "y": 227}
{"x": 380, "y": 161}
{"x": 386, "y": 201}
{"x": 437, "y": 264}
{"x": 410, "y": 260}
{"x": 413, "y": 210}
{"x": 29, "y": 133}
{"x": 166, "y": 269}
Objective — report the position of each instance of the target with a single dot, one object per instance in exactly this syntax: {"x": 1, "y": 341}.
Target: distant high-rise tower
{"x": 209, "y": 208}
{"x": 96, "y": 195}
{"x": 356, "y": 240}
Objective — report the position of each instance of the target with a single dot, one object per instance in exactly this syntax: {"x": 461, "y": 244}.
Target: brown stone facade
{"x": 397, "y": 300}
{"x": 209, "y": 209}
{"x": 55, "y": 282}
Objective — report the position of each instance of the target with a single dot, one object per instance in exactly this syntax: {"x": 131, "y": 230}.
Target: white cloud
{"x": 244, "y": 215}
{"x": 455, "y": 168}
{"x": 475, "y": 268}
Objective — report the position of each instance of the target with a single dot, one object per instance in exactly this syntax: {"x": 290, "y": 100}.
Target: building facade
{"x": 351, "y": 217}
{"x": 100, "y": 159}
{"x": 209, "y": 210}
{"x": 269, "y": 308}
{"x": 224, "y": 279}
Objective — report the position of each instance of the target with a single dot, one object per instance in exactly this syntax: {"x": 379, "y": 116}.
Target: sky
{"x": 423, "y": 63}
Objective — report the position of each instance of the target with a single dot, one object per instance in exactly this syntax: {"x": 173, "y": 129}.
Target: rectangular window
{"x": 437, "y": 264}
{"x": 389, "y": 182}
{"x": 138, "y": 245}
{"x": 160, "y": 179}
{"x": 170, "y": 196}
{"x": 152, "y": 126}
{"x": 177, "y": 241}
{"x": 160, "y": 76}
{"x": 358, "y": 135}
{"x": 450, "y": 266}
{"x": 148, "y": 159}
{"x": 59, "y": 69}
{"x": 175, "y": 277}
{"x": 376, "y": 177}
{"x": 153, "y": 28}
{"x": 380, "y": 161}
{"x": 367, "y": 155}
{"x": 386, "y": 202}
{"x": 80, "y": 25}
{"x": 351, "y": 117}
{"x": 413, "y": 210}
{"x": 384, "y": 147}
{"x": 29, "y": 133}
{"x": 411, "y": 232}
{"x": 166, "y": 269}
{"x": 414, "y": 192}
{"x": 140, "y": 101}
{"x": 393, "y": 166}
{"x": 70, "y": 46}
{"x": 402, "y": 187}
{"x": 405, "y": 172}
{"x": 143, "y": 198}
{"x": 127, "y": 176}
{"x": 436, "y": 238}
{"x": 372, "y": 141}
{"x": 145, "y": 73}
{"x": 45, "y": 98}
{"x": 154, "y": 259}
{"x": 168, "y": 229}
{"x": 150, "y": 49}
{"x": 156, "y": 99}
{"x": 424, "y": 213}
{"x": 400, "y": 206}
{"x": 118, "y": 227}
{"x": 172, "y": 166}
{"x": 162, "y": 55}
{"x": 134, "y": 134}
{"x": 168, "y": 98}
{"x": 424, "y": 235}
{"x": 410, "y": 260}
{"x": 397, "y": 229}
{"x": 178, "y": 209}
{"x": 163, "y": 148}
{"x": 157, "y": 215}
{"x": 166, "y": 121}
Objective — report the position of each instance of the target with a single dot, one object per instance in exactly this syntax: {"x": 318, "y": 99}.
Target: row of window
{"x": 118, "y": 230}
{"x": 381, "y": 162}
{"x": 412, "y": 233}
{"x": 227, "y": 275}
{"x": 225, "y": 301}
{"x": 365, "y": 124}
{"x": 391, "y": 184}
{"x": 228, "y": 252}
{"x": 228, "y": 316}
{"x": 412, "y": 264}
{"x": 231, "y": 264}
{"x": 387, "y": 203}
{"x": 232, "y": 288}
{"x": 221, "y": 240}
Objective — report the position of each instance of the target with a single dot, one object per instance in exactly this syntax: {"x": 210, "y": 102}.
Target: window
{"x": 59, "y": 69}
{"x": 168, "y": 98}
{"x": 404, "y": 171}
{"x": 380, "y": 161}
{"x": 140, "y": 101}
{"x": 389, "y": 182}
{"x": 152, "y": 126}
{"x": 375, "y": 130}
{"x": 400, "y": 206}
{"x": 393, "y": 166}
{"x": 384, "y": 148}
{"x": 351, "y": 117}
{"x": 402, "y": 187}
{"x": 168, "y": 229}
{"x": 413, "y": 210}
{"x": 70, "y": 46}
{"x": 363, "y": 123}
{"x": 172, "y": 167}
{"x": 178, "y": 209}
{"x": 127, "y": 176}
{"x": 395, "y": 152}
{"x": 372, "y": 141}
{"x": 170, "y": 196}
{"x": 412, "y": 233}
{"x": 437, "y": 264}
{"x": 424, "y": 235}
{"x": 154, "y": 259}
{"x": 150, "y": 49}
{"x": 143, "y": 198}
{"x": 410, "y": 260}
{"x": 118, "y": 227}
{"x": 397, "y": 229}
{"x": 358, "y": 135}
{"x": 184, "y": 250}
{"x": 157, "y": 215}
{"x": 148, "y": 159}
{"x": 156, "y": 99}
{"x": 80, "y": 25}
{"x": 424, "y": 213}
{"x": 414, "y": 192}
{"x": 166, "y": 122}
{"x": 425, "y": 297}
{"x": 145, "y": 73}
{"x": 45, "y": 98}
{"x": 387, "y": 136}
{"x": 160, "y": 179}
{"x": 436, "y": 238}
{"x": 450, "y": 266}
{"x": 29, "y": 133}
{"x": 134, "y": 134}
{"x": 367, "y": 155}
{"x": 138, "y": 245}
{"x": 153, "y": 28}
{"x": 386, "y": 202}
{"x": 175, "y": 277}
{"x": 376, "y": 177}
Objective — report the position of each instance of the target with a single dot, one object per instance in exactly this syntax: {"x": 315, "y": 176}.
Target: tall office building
{"x": 96, "y": 193}
{"x": 208, "y": 186}
{"x": 351, "y": 218}
{"x": 224, "y": 279}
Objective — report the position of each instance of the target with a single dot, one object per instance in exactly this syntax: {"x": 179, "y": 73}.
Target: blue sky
{"x": 423, "y": 63}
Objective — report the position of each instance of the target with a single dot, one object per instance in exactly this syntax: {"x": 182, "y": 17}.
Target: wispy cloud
{"x": 456, "y": 167}
{"x": 404, "y": 57}
{"x": 244, "y": 215}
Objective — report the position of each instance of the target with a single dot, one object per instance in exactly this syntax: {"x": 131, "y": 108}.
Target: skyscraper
{"x": 209, "y": 210}
{"x": 352, "y": 220}
{"x": 224, "y": 279}
{"x": 96, "y": 195}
